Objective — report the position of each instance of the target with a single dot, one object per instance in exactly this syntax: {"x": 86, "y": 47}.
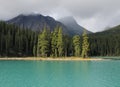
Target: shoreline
{"x": 53, "y": 59}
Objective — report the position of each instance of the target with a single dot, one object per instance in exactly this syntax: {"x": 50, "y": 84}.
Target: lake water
{"x": 60, "y": 74}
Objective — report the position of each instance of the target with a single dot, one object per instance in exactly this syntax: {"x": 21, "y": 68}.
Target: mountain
{"x": 113, "y": 30}
{"x": 73, "y": 26}
{"x": 105, "y": 43}
{"x": 109, "y": 32}
{"x": 36, "y": 22}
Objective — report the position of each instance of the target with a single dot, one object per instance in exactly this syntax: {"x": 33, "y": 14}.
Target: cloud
{"x": 94, "y": 15}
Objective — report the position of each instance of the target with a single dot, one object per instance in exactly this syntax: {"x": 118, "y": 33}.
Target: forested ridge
{"x": 105, "y": 43}
{"x": 15, "y": 41}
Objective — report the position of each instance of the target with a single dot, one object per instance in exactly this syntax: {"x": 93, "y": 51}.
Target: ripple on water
{"x": 59, "y": 74}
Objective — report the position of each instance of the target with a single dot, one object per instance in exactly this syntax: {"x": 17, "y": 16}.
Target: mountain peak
{"x": 68, "y": 19}
{"x": 32, "y": 14}
{"x": 29, "y": 15}
{"x": 71, "y": 23}
{"x": 36, "y": 22}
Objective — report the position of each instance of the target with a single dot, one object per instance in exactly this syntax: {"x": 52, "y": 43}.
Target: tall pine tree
{"x": 54, "y": 37}
{"x": 85, "y": 45}
{"x": 43, "y": 44}
{"x": 76, "y": 44}
{"x": 60, "y": 44}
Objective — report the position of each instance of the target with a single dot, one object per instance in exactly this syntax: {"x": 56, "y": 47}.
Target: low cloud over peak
{"x": 94, "y": 15}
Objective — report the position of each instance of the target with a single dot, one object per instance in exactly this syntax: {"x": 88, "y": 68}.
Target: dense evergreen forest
{"x": 105, "y": 43}
{"x": 15, "y": 41}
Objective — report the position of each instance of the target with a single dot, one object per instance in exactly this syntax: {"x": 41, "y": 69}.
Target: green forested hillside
{"x": 15, "y": 41}
{"x": 106, "y": 43}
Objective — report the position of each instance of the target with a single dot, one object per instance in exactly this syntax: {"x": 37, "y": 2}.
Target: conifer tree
{"x": 76, "y": 44}
{"x": 67, "y": 42}
{"x": 60, "y": 44}
{"x": 34, "y": 51}
{"x": 38, "y": 45}
{"x": 85, "y": 45}
{"x": 43, "y": 43}
{"x": 1, "y": 41}
{"x": 54, "y": 38}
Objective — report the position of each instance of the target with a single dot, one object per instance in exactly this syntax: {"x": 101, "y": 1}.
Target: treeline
{"x": 56, "y": 44}
{"x": 105, "y": 44}
{"x": 15, "y": 41}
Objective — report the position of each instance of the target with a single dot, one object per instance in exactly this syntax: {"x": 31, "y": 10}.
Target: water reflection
{"x": 63, "y": 72}
{"x": 60, "y": 74}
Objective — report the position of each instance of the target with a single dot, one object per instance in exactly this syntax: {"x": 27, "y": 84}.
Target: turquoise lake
{"x": 60, "y": 73}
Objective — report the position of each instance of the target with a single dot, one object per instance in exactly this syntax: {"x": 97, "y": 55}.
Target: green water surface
{"x": 60, "y": 73}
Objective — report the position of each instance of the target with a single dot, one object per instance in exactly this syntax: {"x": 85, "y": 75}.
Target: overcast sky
{"x": 94, "y": 15}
